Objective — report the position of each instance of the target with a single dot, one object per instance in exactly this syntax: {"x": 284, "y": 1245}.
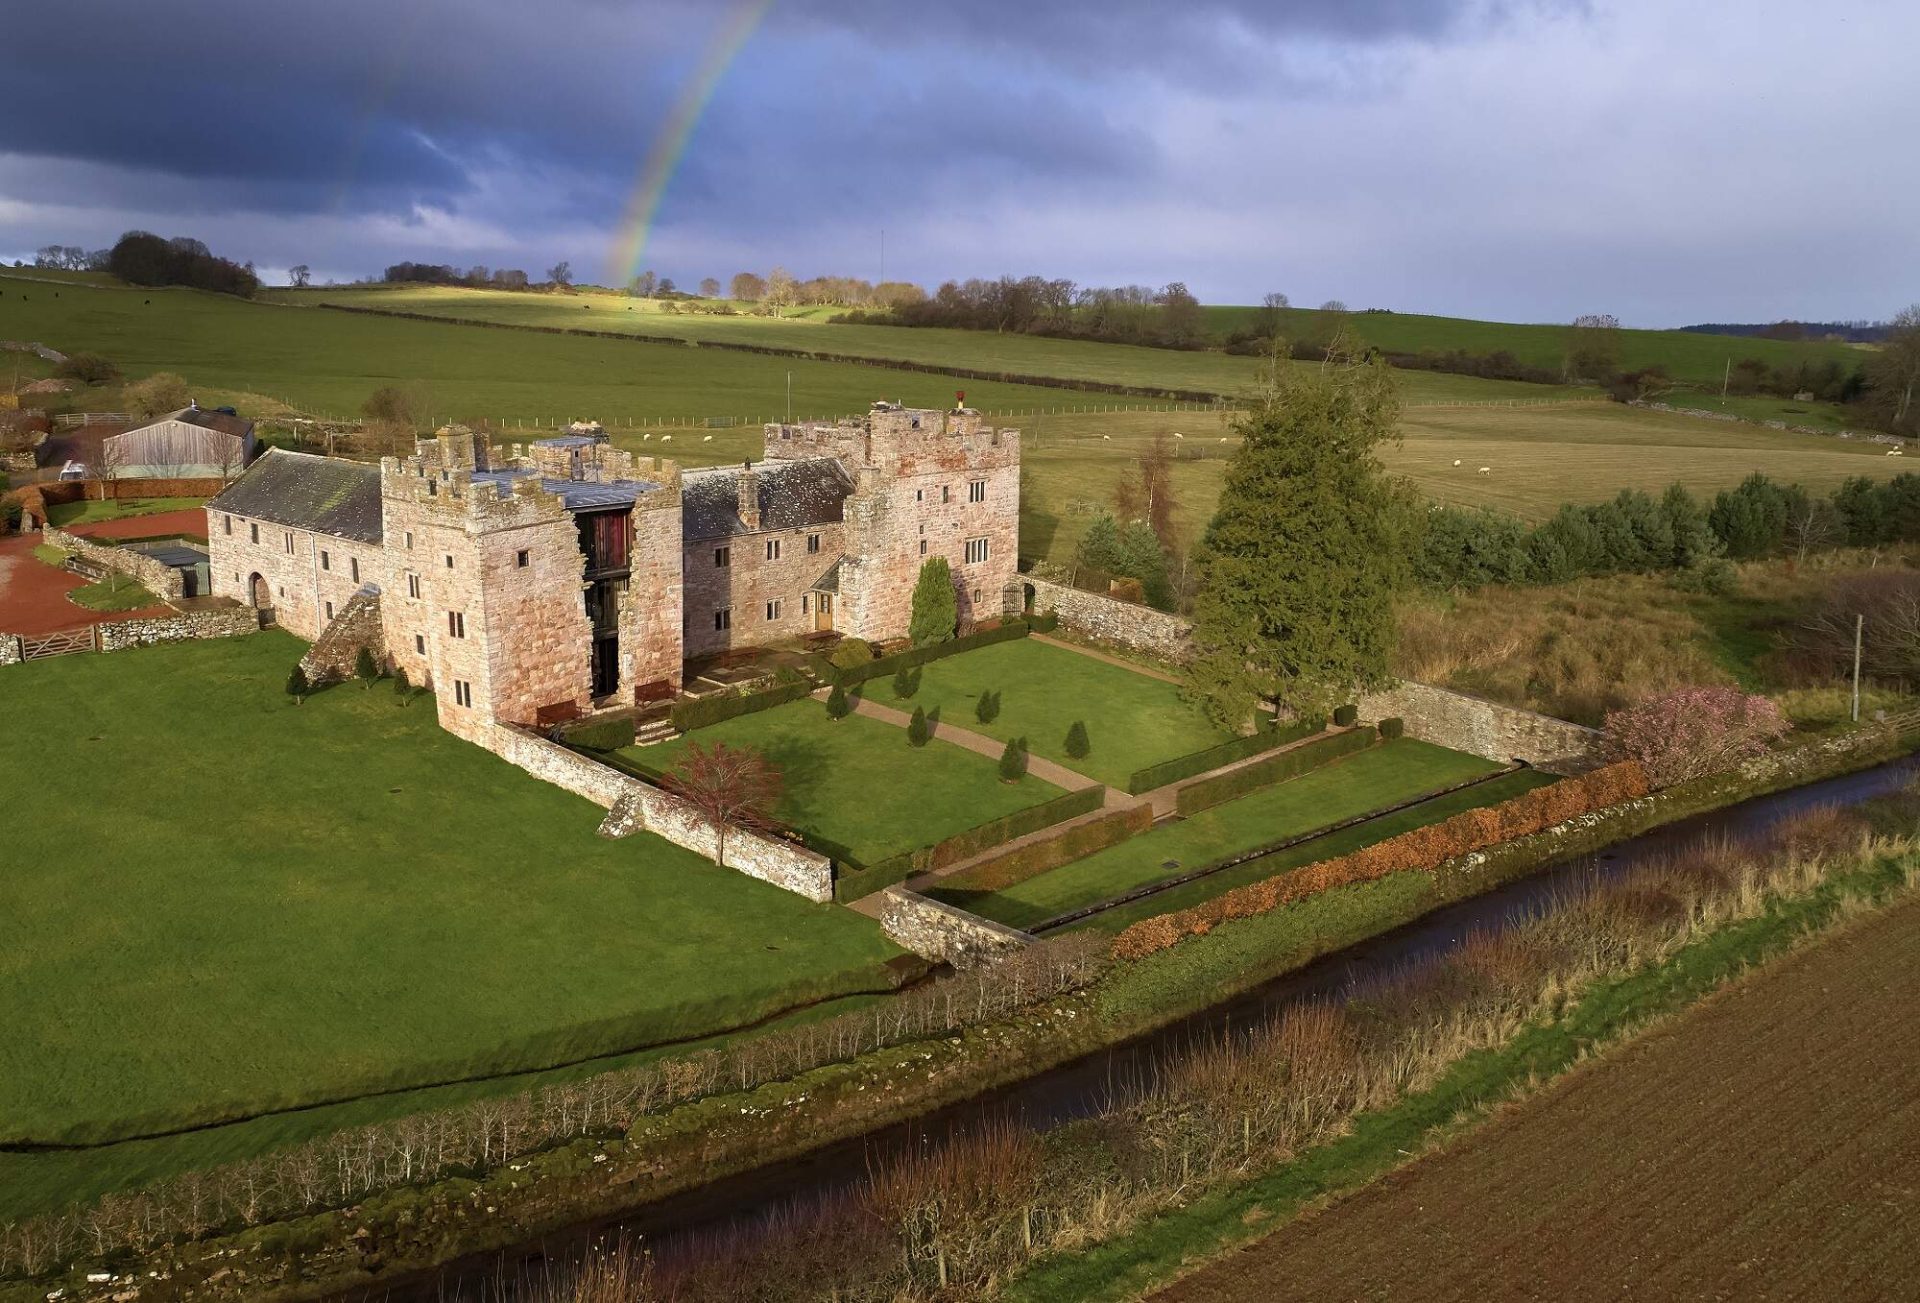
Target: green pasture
{"x": 93, "y": 513}
{"x": 854, "y": 786}
{"x": 280, "y": 905}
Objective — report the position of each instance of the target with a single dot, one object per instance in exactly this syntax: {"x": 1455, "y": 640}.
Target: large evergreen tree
{"x": 1299, "y": 565}
{"x": 936, "y": 612}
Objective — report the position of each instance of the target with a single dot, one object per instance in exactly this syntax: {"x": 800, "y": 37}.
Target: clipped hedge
{"x": 1199, "y": 762}
{"x": 854, "y": 881}
{"x": 1045, "y": 622}
{"x": 1209, "y": 792}
{"x": 1417, "y": 850}
{"x": 1391, "y": 727}
{"x": 1030, "y": 861}
{"x": 704, "y": 712}
{"x": 1346, "y": 716}
{"x": 600, "y": 734}
{"x": 885, "y": 665}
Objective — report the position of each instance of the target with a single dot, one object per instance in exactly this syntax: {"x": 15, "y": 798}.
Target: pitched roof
{"x": 793, "y": 495}
{"x": 207, "y": 419}
{"x": 328, "y": 495}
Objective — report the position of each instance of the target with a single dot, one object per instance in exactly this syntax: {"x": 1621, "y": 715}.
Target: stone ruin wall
{"x": 941, "y": 932}
{"x": 1160, "y": 634}
{"x": 1485, "y": 728}
{"x": 162, "y": 581}
{"x": 334, "y": 654}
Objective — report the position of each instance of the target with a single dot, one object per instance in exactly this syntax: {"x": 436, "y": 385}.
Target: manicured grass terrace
{"x": 1132, "y": 720}
{"x": 854, "y": 787}
{"x": 284, "y": 904}
{"x": 1387, "y": 775}
{"x": 92, "y": 513}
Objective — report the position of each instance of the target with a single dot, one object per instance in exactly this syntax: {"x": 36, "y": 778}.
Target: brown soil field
{"x": 1764, "y": 1146}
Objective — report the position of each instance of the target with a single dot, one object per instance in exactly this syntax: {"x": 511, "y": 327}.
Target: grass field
{"x": 268, "y": 905}
{"x": 92, "y": 513}
{"x": 1011, "y": 353}
{"x": 114, "y": 593}
{"x": 1132, "y": 720}
{"x": 855, "y": 787}
{"x": 1386, "y": 775}
{"x": 329, "y": 362}
{"x": 1761, "y": 1146}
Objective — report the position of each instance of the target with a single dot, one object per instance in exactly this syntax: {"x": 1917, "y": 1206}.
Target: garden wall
{"x": 1486, "y": 728}
{"x": 1107, "y": 619}
{"x": 634, "y": 806}
{"x": 224, "y": 621}
{"x": 11, "y": 652}
{"x": 161, "y": 580}
{"x": 939, "y": 931}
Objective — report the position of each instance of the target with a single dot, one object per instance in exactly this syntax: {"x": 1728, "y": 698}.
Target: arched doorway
{"x": 261, "y": 597}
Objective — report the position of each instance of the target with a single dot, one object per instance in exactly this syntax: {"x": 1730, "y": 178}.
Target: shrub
{"x": 849, "y": 653}
{"x": 1046, "y": 622}
{"x": 1392, "y": 727}
{"x": 401, "y": 687}
{"x": 1013, "y": 761}
{"x": 1006, "y": 631}
{"x": 1039, "y": 857}
{"x": 838, "y": 707}
{"x": 600, "y": 734}
{"x": 1345, "y": 716}
{"x": 365, "y": 668}
{"x": 88, "y": 369}
{"x": 159, "y": 393}
{"x": 1693, "y": 732}
{"x": 1276, "y": 768}
{"x": 936, "y": 611}
{"x": 918, "y": 730}
{"x": 987, "y": 708}
{"x": 297, "y": 685}
{"x": 906, "y": 681}
{"x": 704, "y": 712}
{"x": 1078, "y": 744}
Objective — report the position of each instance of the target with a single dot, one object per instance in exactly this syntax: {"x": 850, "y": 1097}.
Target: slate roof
{"x": 207, "y": 419}
{"x": 793, "y": 495}
{"x": 576, "y": 495}
{"x": 304, "y": 491}
{"x": 830, "y": 581}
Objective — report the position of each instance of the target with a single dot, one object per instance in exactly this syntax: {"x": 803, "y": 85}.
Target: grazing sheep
{"x": 1456, "y": 461}
{"x": 1893, "y": 452}
{"x": 706, "y": 438}
{"x": 1178, "y": 435}
{"x": 1106, "y": 436}
{"x": 1486, "y": 470}
{"x": 666, "y": 438}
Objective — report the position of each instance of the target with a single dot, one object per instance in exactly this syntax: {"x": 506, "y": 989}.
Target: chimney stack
{"x": 749, "y": 486}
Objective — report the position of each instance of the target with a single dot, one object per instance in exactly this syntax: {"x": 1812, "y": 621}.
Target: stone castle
{"x": 539, "y": 583}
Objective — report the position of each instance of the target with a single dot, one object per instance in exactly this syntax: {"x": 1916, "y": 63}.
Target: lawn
{"x": 114, "y": 593}
{"x": 1132, "y": 720}
{"x": 1387, "y": 775}
{"x": 281, "y": 905}
{"x": 854, "y": 787}
{"x": 92, "y": 513}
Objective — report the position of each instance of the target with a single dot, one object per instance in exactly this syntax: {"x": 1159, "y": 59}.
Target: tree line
{"x": 1168, "y": 317}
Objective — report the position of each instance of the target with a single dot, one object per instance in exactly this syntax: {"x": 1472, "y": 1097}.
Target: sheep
{"x": 1178, "y": 435}
{"x": 1456, "y": 461}
{"x": 1893, "y": 452}
{"x": 706, "y": 438}
{"x": 1486, "y": 470}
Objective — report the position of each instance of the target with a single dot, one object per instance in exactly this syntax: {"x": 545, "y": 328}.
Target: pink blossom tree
{"x": 1694, "y": 731}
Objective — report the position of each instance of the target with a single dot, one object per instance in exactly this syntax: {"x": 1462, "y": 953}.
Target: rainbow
{"x": 670, "y": 145}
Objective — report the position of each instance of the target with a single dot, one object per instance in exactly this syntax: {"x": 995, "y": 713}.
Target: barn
{"x": 192, "y": 443}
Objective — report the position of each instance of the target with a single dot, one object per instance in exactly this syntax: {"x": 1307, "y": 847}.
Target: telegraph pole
{"x": 789, "y": 398}
{"x": 1859, "y": 625}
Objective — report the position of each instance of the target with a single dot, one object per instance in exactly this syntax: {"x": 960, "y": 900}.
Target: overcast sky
{"x": 1669, "y": 161}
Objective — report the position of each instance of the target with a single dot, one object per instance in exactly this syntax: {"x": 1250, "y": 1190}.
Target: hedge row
{"x": 1419, "y": 849}
{"x": 703, "y": 712}
{"x": 854, "y": 881}
{"x": 1007, "y": 631}
{"x": 1209, "y": 792}
{"x": 1030, "y": 861}
{"x": 1199, "y": 762}
{"x": 1045, "y": 622}
{"x": 600, "y": 734}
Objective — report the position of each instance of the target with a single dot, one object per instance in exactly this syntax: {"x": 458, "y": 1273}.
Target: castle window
{"x": 329, "y": 610}
{"x": 976, "y": 597}
{"x": 253, "y": 533}
{"x": 919, "y": 495}
{"x": 946, "y": 493}
{"x": 722, "y": 558}
{"x": 976, "y": 490}
{"x": 723, "y": 618}
{"x": 773, "y": 549}
{"x": 420, "y": 644}
{"x": 457, "y": 624}
{"x": 226, "y": 526}
{"x": 923, "y": 547}
{"x": 449, "y": 561}
{"x": 289, "y": 539}
{"x": 774, "y": 608}
{"x": 976, "y": 550}
{"x": 326, "y": 559}
{"x": 433, "y": 489}
{"x": 803, "y": 603}
{"x": 462, "y": 693}
{"x": 353, "y": 568}
{"x": 409, "y": 540}
{"x": 413, "y": 584}
{"x": 813, "y": 544}
{"x": 522, "y": 558}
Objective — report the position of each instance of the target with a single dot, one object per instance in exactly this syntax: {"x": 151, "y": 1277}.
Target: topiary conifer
{"x": 1013, "y": 762}
{"x": 987, "y": 708}
{"x": 838, "y": 707}
{"x": 1078, "y": 744}
{"x": 918, "y": 730}
{"x": 297, "y": 684}
{"x": 365, "y": 668}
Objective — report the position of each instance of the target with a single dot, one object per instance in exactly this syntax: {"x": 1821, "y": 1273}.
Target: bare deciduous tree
{"x": 746, "y": 285}
{"x": 299, "y": 275}
{"x": 709, "y": 288}
{"x": 730, "y": 787}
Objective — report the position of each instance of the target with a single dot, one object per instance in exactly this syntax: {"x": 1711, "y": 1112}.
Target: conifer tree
{"x": 936, "y": 613}
{"x": 838, "y": 707}
{"x": 987, "y": 708}
{"x": 297, "y": 685}
{"x": 1013, "y": 762}
{"x": 401, "y": 687}
{"x": 1299, "y": 565}
{"x": 365, "y": 668}
{"x": 1078, "y": 744}
{"x": 918, "y": 731}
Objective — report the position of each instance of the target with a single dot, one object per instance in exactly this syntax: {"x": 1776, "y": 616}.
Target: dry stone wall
{"x": 11, "y": 652}
{"x": 334, "y": 654}
{"x": 938, "y": 931}
{"x": 221, "y": 621}
{"x": 1109, "y": 620}
{"x": 1485, "y": 728}
{"x": 161, "y": 580}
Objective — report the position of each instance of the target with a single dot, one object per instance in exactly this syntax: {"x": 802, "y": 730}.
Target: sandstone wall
{"x": 161, "y": 580}
{"x": 634, "y": 806}
{"x": 1485, "y": 728}
{"x": 938, "y": 931}
{"x": 336, "y": 652}
{"x": 1109, "y": 620}
{"x": 306, "y": 573}
{"x": 652, "y": 610}
{"x": 750, "y": 580}
{"x": 184, "y": 626}
{"x": 10, "y": 650}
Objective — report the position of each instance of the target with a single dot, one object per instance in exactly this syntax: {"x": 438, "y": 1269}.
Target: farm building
{"x": 192, "y": 443}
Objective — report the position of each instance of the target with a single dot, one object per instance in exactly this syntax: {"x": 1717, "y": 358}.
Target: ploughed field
{"x": 1762, "y": 1146}
{"x": 221, "y": 904}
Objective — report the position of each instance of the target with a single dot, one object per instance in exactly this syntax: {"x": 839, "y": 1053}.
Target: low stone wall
{"x": 11, "y": 652}
{"x": 634, "y": 806}
{"x": 332, "y": 656}
{"x": 1485, "y": 728}
{"x": 1109, "y": 620}
{"x": 938, "y": 931}
{"x": 1870, "y": 436}
{"x": 227, "y": 621}
{"x": 161, "y": 580}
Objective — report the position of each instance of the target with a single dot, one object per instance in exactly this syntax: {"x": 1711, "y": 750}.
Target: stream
{"x": 1083, "y": 1086}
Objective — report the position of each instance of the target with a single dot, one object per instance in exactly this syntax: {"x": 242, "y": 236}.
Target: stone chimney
{"x": 749, "y": 486}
